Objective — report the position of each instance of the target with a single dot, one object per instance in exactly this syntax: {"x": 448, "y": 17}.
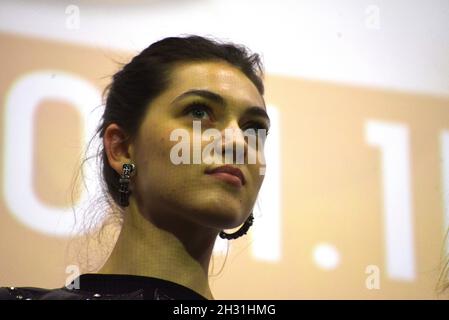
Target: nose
{"x": 234, "y": 145}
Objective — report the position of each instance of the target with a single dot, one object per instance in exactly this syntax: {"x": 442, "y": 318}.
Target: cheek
{"x": 159, "y": 171}
{"x": 156, "y": 142}
{"x": 257, "y": 169}
{"x": 152, "y": 157}
{"x": 257, "y": 176}
{"x": 159, "y": 146}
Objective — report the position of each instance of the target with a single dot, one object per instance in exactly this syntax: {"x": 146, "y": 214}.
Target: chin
{"x": 215, "y": 208}
{"x": 219, "y": 217}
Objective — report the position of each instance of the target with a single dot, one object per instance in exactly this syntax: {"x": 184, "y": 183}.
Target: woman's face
{"x": 184, "y": 192}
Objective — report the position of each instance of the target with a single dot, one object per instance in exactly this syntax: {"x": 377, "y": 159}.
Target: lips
{"x": 229, "y": 170}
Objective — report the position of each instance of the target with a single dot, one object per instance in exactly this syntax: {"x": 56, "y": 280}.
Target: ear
{"x": 117, "y": 149}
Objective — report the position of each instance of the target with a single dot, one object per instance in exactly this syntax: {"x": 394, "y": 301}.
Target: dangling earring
{"x": 124, "y": 192}
{"x": 240, "y": 232}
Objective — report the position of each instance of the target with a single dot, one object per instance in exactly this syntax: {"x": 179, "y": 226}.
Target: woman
{"x": 172, "y": 211}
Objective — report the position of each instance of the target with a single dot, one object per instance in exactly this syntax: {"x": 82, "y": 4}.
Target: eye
{"x": 257, "y": 126}
{"x": 199, "y": 110}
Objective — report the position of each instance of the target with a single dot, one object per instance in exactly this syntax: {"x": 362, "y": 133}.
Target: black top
{"x": 106, "y": 287}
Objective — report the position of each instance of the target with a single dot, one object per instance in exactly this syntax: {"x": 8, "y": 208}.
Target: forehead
{"x": 219, "y": 77}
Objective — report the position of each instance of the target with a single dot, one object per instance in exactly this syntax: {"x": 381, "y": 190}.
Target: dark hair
{"x": 147, "y": 75}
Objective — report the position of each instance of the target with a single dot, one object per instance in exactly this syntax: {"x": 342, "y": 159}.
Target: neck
{"x": 146, "y": 250}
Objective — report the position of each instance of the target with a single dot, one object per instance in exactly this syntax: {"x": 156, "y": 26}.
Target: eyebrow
{"x": 215, "y": 97}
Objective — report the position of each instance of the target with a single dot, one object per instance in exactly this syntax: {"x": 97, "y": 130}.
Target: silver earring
{"x": 124, "y": 192}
